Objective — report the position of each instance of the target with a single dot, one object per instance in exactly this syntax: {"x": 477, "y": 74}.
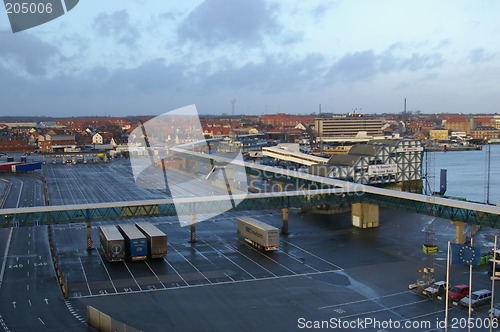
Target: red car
{"x": 458, "y": 292}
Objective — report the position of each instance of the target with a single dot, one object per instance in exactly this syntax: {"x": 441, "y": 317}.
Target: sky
{"x": 146, "y": 57}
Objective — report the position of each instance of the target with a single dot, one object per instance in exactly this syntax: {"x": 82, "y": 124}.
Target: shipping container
{"x": 25, "y": 167}
{"x": 157, "y": 240}
{"x": 136, "y": 244}
{"x": 7, "y": 167}
{"x": 257, "y": 233}
{"x": 112, "y": 243}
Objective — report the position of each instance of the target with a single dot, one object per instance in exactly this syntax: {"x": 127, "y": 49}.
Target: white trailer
{"x": 257, "y": 233}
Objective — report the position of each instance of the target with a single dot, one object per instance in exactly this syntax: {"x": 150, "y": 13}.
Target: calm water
{"x": 466, "y": 173}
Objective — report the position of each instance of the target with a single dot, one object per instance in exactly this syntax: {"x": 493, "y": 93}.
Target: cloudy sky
{"x": 118, "y": 58}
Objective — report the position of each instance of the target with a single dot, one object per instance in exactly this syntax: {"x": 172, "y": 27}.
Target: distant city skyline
{"x": 132, "y": 58}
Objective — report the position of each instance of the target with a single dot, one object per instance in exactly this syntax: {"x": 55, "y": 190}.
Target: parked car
{"x": 477, "y": 298}
{"x": 495, "y": 312}
{"x": 437, "y": 288}
{"x": 458, "y": 292}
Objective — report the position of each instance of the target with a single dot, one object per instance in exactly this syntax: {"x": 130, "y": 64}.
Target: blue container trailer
{"x": 136, "y": 244}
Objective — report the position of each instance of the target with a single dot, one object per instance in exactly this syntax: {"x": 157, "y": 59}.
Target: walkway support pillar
{"x": 192, "y": 229}
{"x": 88, "y": 229}
{"x": 284, "y": 228}
{"x": 459, "y": 231}
{"x": 365, "y": 215}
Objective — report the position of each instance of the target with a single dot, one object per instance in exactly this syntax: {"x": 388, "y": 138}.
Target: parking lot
{"x": 324, "y": 270}
{"x": 216, "y": 259}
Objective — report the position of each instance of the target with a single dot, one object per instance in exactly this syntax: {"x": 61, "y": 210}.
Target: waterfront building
{"x": 438, "y": 134}
{"x": 484, "y": 133}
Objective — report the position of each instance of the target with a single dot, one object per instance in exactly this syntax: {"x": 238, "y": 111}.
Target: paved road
{"x": 25, "y": 190}
{"x": 31, "y": 297}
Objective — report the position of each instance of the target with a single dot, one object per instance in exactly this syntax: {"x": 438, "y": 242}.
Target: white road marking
{"x": 107, "y": 272}
{"x": 221, "y": 253}
{"x": 173, "y": 268}
{"x": 3, "y": 324}
{"x": 29, "y": 301}
{"x": 7, "y": 248}
{"x": 310, "y": 253}
{"x": 85, "y": 275}
{"x": 262, "y": 254}
{"x": 132, "y": 275}
{"x": 155, "y": 274}
{"x": 19, "y": 197}
{"x": 364, "y": 300}
{"x": 300, "y": 261}
{"x": 191, "y": 264}
{"x": 242, "y": 254}
{"x": 214, "y": 284}
{"x": 41, "y": 320}
{"x": 383, "y": 309}
{"x": 209, "y": 260}
{"x": 28, "y": 287}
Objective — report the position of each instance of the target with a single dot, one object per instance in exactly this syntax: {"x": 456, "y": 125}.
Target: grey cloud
{"x": 27, "y": 52}
{"x": 149, "y": 77}
{"x": 275, "y": 74}
{"x": 365, "y": 65}
{"x": 389, "y": 62}
{"x": 117, "y": 26}
{"x": 216, "y": 22}
{"x": 479, "y": 55}
{"x": 354, "y": 67}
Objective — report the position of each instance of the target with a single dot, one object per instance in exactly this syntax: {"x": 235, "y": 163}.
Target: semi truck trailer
{"x": 257, "y": 233}
{"x": 157, "y": 240}
{"x": 113, "y": 243}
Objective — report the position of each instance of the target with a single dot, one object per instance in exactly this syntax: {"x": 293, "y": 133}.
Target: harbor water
{"x": 467, "y": 173}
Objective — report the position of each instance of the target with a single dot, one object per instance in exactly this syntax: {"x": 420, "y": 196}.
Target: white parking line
{"x": 173, "y": 268}
{"x": 155, "y": 274}
{"x": 212, "y": 285}
{"x": 262, "y": 254}
{"x": 383, "y": 309}
{"x": 132, "y": 275}
{"x": 300, "y": 261}
{"x": 242, "y": 254}
{"x": 191, "y": 264}
{"x": 310, "y": 253}
{"x": 221, "y": 253}
{"x": 107, "y": 272}
{"x": 210, "y": 261}
{"x": 364, "y": 300}
{"x": 85, "y": 275}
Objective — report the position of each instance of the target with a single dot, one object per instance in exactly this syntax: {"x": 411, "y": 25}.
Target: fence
{"x": 102, "y": 322}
